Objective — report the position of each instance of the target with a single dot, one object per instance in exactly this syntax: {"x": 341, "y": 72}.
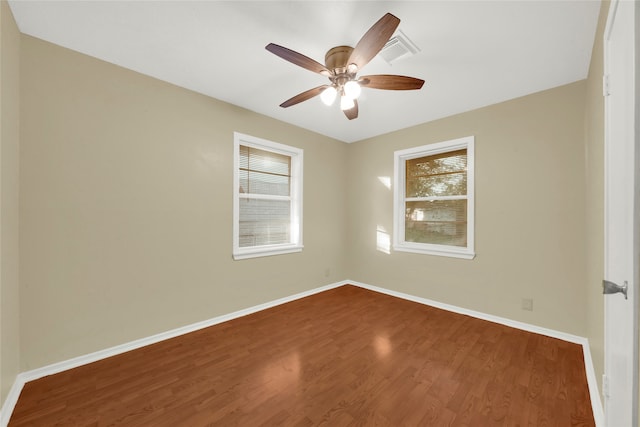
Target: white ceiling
{"x": 473, "y": 53}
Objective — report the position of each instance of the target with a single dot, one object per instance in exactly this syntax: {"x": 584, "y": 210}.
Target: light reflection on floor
{"x": 382, "y": 344}
{"x": 282, "y": 373}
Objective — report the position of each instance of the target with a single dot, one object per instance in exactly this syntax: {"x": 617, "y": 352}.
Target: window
{"x": 434, "y": 209}
{"x": 267, "y": 202}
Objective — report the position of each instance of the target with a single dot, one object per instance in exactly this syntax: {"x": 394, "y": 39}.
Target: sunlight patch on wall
{"x": 386, "y": 181}
{"x": 383, "y": 240}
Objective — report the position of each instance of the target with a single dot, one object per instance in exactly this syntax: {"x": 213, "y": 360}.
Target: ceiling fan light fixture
{"x": 328, "y": 95}
{"x": 342, "y": 64}
{"x": 346, "y": 103}
{"x": 352, "y": 89}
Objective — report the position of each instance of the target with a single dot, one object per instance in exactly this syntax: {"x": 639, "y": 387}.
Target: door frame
{"x": 635, "y": 202}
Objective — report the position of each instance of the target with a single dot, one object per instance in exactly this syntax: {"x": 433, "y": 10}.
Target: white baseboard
{"x": 21, "y": 379}
{"x": 11, "y": 400}
{"x": 594, "y": 393}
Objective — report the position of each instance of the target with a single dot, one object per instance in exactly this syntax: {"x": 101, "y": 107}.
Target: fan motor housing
{"x": 337, "y": 57}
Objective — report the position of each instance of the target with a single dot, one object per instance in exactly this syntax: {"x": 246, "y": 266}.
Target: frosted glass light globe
{"x": 328, "y": 95}
{"x": 346, "y": 103}
{"x": 352, "y": 89}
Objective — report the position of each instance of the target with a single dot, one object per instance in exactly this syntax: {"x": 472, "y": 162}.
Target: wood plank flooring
{"x": 344, "y": 357}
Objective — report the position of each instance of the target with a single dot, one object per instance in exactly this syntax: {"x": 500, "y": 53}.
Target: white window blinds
{"x": 265, "y": 202}
{"x": 267, "y": 198}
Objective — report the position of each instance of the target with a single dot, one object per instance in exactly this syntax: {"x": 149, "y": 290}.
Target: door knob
{"x": 613, "y": 288}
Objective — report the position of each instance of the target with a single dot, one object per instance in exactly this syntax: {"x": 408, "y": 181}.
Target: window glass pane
{"x": 437, "y": 175}
{"x": 440, "y": 222}
{"x": 453, "y": 184}
{"x": 265, "y": 161}
{"x": 264, "y": 222}
{"x": 262, "y": 183}
{"x": 244, "y": 181}
{"x": 244, "y": 157}
{"x": 263, "y": 172}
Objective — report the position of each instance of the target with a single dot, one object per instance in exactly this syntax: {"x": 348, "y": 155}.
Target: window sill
{"x": 446, "y": 251}
{"x": 265, "y": 251}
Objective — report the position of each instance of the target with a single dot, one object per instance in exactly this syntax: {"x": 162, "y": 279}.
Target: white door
{"x": 620, "y": 384}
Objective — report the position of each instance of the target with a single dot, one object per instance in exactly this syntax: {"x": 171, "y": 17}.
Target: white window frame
{"x": 295, "y": 196}
{"x": 400, "y": 159}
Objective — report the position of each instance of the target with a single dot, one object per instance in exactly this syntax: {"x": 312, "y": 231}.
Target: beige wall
{"x": 594, "y": 161}
{"x": 529, "y": 212}
{"x": 9, "y": 206}
{"x": 126, "y": 207}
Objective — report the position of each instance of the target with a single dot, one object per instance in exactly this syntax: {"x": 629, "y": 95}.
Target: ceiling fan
{"x": 342, "y": 63}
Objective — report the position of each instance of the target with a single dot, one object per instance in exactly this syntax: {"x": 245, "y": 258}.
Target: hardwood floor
{"x": 344, "y": 357}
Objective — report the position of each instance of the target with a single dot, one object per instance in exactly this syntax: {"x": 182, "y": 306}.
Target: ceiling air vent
{"x": 399, "y": 46}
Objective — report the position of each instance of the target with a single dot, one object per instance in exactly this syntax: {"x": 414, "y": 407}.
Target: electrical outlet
{"x": 527, "y": 304}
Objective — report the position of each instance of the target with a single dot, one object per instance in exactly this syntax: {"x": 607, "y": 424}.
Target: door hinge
{"x": 605, "y": 386}
{"x": 605, "y": 85}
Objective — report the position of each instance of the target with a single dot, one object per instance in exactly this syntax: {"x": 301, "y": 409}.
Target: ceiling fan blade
{"x": 298, "y": 59}
{"x": 352, "y": 113}
{"x": 374, "y": 40}
{"x": 308, "y": 94}
{"x": 390, "y": 82}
